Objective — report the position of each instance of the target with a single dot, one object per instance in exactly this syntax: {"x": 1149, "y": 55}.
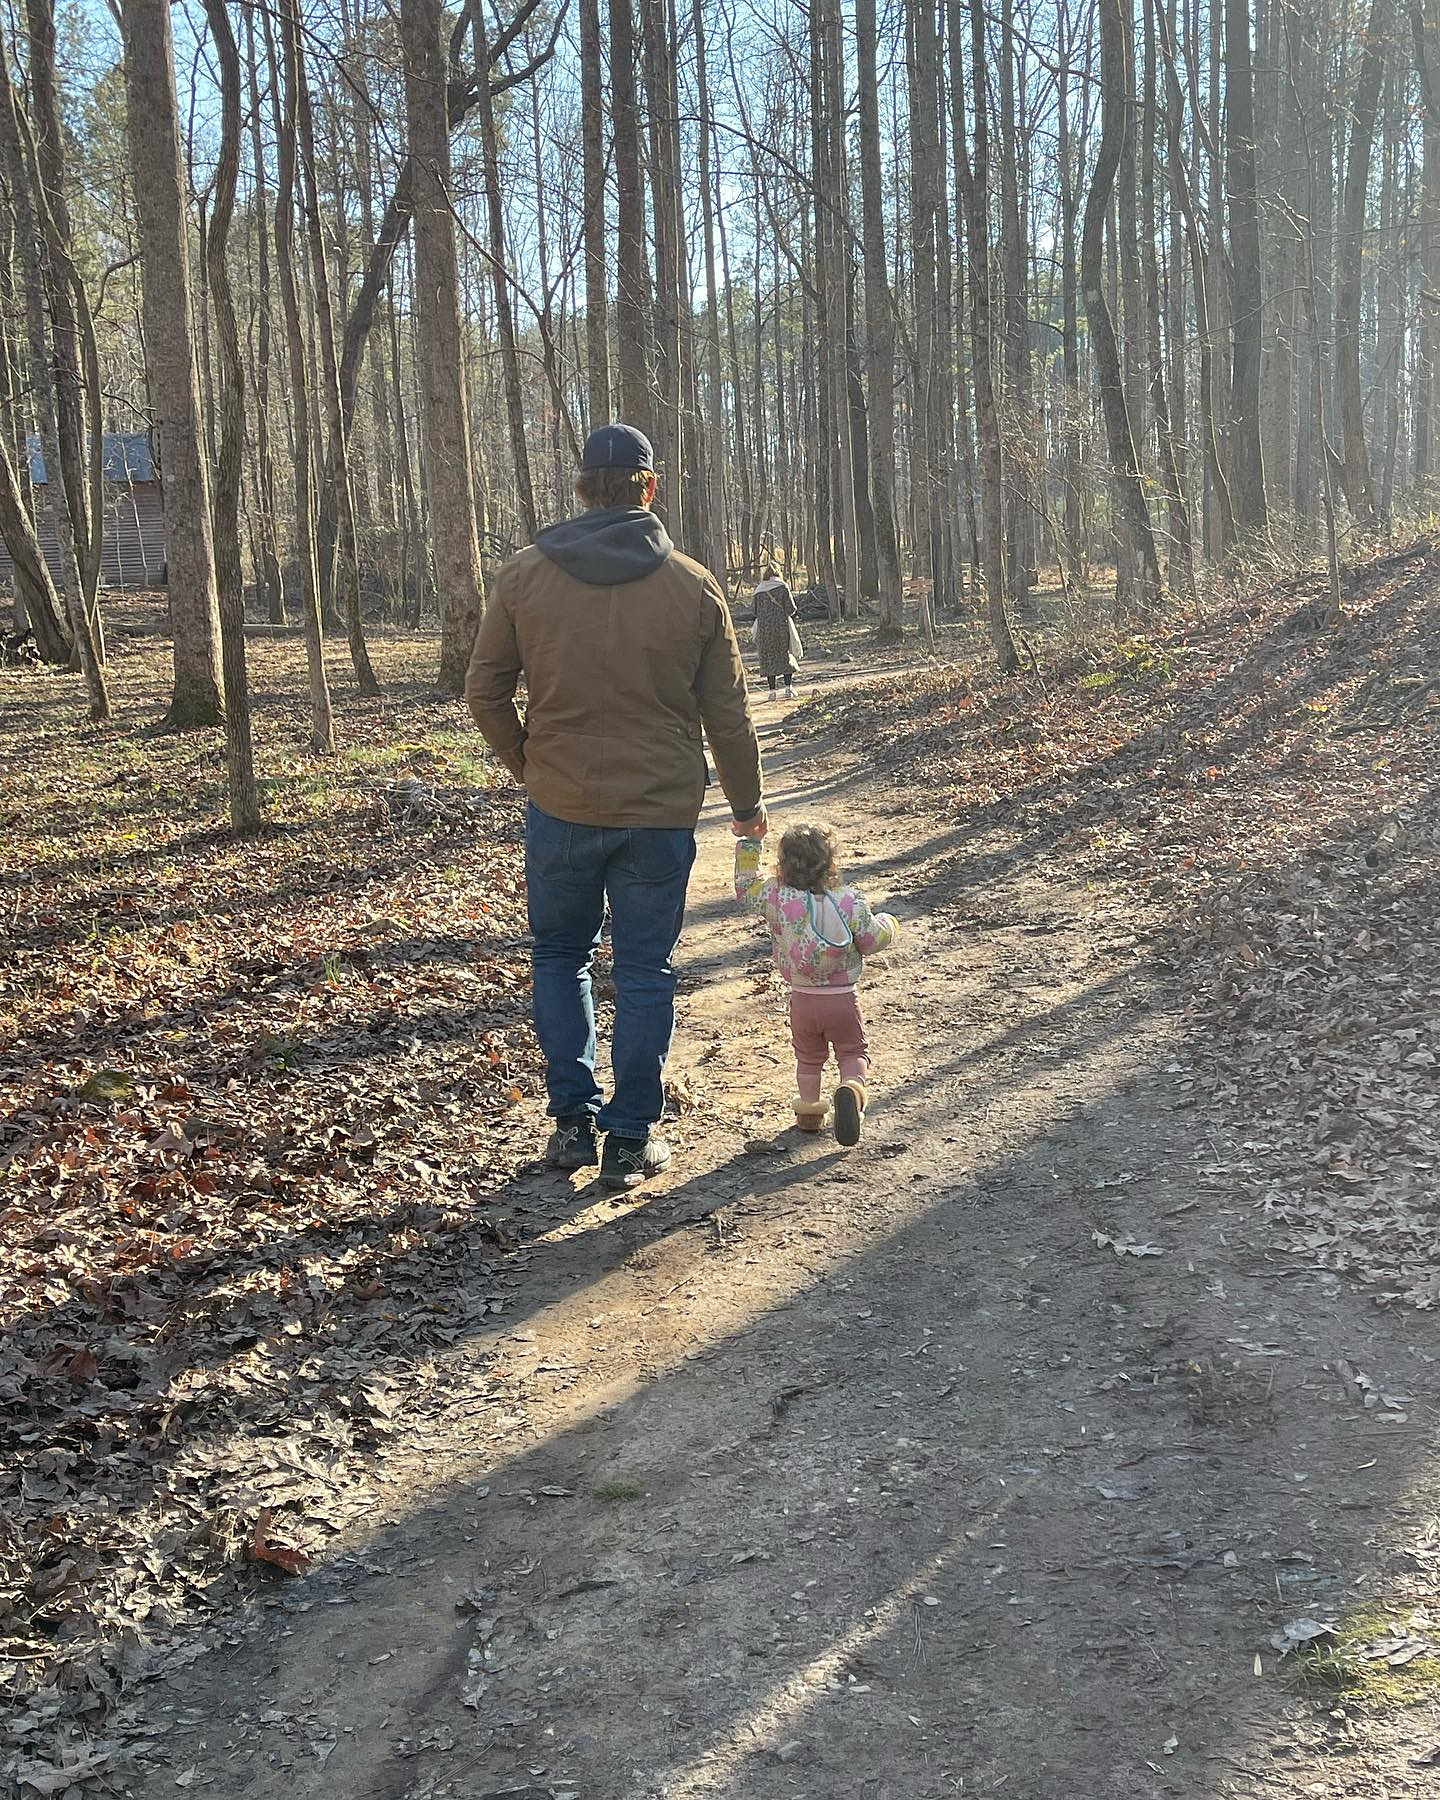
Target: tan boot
{"x": 849, "y": 1109}
{"x": 811, "y": 1115}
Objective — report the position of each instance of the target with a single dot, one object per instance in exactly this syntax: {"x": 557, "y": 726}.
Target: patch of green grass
{"x": 298, "y": 795}
{"x": 612, "y": 1492}
{"x": 1339, "y": 1665}
{"x": 1134, "y": 659}
{"x": 452, "y": 758}
{"x": 280, "y": 1052}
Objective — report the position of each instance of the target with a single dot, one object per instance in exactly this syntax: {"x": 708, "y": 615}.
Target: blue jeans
{"x": 570, "y": 871}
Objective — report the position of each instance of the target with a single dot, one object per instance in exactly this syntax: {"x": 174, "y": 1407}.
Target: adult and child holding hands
{"x": 628, "y": 652}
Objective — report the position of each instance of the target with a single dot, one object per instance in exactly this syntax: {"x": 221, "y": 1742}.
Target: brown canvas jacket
{"x": 619, "y": 680}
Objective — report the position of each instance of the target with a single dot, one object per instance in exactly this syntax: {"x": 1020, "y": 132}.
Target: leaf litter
{"x": 1260, "y": 791}
{"x": 259, "y": 1107}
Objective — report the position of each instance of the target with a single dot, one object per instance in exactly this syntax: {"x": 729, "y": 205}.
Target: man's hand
{"x": 751, "y": 828}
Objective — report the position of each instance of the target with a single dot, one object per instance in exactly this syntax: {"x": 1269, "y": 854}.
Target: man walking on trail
{"x": 627, "y": 649}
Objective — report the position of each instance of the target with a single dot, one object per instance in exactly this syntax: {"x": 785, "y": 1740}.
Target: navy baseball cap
{"x": 617, "y": 447}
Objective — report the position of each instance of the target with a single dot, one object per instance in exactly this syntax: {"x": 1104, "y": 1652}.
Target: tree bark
{"x": 46, "y": 609}
{"x": 1115, "y": 88}
{"x": 879, "y": 326}
{"x": 1071, "y": 404}
{"x": 1246, "y": 319}
{"x": 831, "y": 247}
{"x": 153, "y": 121}
{"x": 346, "y": 567}
{"x": 1425, "y": 33}
{"x": 268, "y": 574}
{"x": 974, "y": 183}
{"x": 75, "y": 475}
{"x": 230, "y": 584}
{"x": 592, "y": 132}
{"x": 322, "y": 719}
{"x": 34, "y": 587}
{"x": 1355, "y": 457}
{"x": 716, "y": 554}
{"x": 500, "y": 288}
{"x": 1020, "y": 407}
{"x": 632, "y": 275}
{"x": 1181, "y": 565}
{"x": 1180, "y": 189}
{"x": 444, "y": 413}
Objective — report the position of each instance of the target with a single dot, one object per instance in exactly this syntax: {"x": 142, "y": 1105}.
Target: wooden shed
{"x": 132, "y": 550}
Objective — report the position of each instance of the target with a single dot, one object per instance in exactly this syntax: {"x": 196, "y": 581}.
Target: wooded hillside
{"x": 919, "y": 300}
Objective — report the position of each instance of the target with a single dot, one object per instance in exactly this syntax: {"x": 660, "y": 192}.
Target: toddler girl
{"x": 820, "y": 934}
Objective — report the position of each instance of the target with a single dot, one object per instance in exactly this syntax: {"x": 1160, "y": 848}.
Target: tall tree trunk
{"x": 665, "y": 293}
{"x": 1115, "y": 88}
{"x": 444, "y": 414}
{"x": 1355, "y": 457}
{"x": 345, "y": 570}
{"x": 322, "y": 720}
{"x": 270, "y": 580}
{"x": 974, "y": 182}
{"x": 832, "y": 251}
{"x": 1071, "y": 404}
{"x": 716, "y": 552}
{"x": 500, "y": 287}
{"x": 1020, "y": 407}
{"x": 925, "y": 201}
{"x": 879, "y": 326}
{"x": 44, "y": 607}
{"x": 1181, "y": 552}
{"x": 1199, "y": 271}
{"x": 152, "y": 114}
{"x": 77, "y": 520}
{"x": 1425, "y": 33}
{"x": 632, "y": 275}
{"x": 230, "y": 582}
{"x": 592, "y": 129}
{"x": 1247, "y": 465}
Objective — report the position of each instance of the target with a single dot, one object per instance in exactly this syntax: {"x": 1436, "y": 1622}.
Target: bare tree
{"x": 444, "y": 415}
{"x": 1116, "y": 87}
{"x": 592, "y": 126}
{"x": 41, "y": 604}
{"x": 1354, "y": 453}
{"x": 285, "y": 86}
{"x": 879, "y": 324}
{"x": 152, "y": 115}
{"x": 230, "y": 581}
{"x": 1245, "y": 304}
{"x": 974, "y": 184}
{"x": 632, "y": 277}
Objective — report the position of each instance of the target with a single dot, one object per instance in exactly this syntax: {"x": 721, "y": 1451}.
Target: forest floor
{"x": 347, "y": 1452}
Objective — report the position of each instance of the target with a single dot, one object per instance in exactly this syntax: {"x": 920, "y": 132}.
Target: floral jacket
{"x": 817, "y": 940}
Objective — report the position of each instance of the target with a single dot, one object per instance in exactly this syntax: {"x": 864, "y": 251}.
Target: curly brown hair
{"x": 808, "y": 859}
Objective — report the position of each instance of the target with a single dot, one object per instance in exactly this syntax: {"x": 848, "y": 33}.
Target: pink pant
{"x": 822, "y": 1020}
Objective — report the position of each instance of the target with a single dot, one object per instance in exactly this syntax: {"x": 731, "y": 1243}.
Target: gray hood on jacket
{"x": 607, "y": 546}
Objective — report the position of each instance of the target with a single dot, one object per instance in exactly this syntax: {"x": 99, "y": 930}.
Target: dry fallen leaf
{"x": 263, "y": 1549}
{"x": 1125, "y": 1246}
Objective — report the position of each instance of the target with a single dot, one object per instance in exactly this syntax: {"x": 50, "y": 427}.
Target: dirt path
{"x": 876, "y": 1475}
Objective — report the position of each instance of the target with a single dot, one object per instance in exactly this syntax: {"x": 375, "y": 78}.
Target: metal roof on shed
{"x": 126, "y": 456}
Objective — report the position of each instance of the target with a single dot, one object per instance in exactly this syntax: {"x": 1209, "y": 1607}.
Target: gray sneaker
{"x": 572, "y": 1143}
{"x": 629, "y": 1161}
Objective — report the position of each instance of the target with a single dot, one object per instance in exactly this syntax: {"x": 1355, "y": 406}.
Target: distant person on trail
{"x": 821, "y": 931}
{"x": 775, "y": 636}
{"x": 626, "y": 648}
